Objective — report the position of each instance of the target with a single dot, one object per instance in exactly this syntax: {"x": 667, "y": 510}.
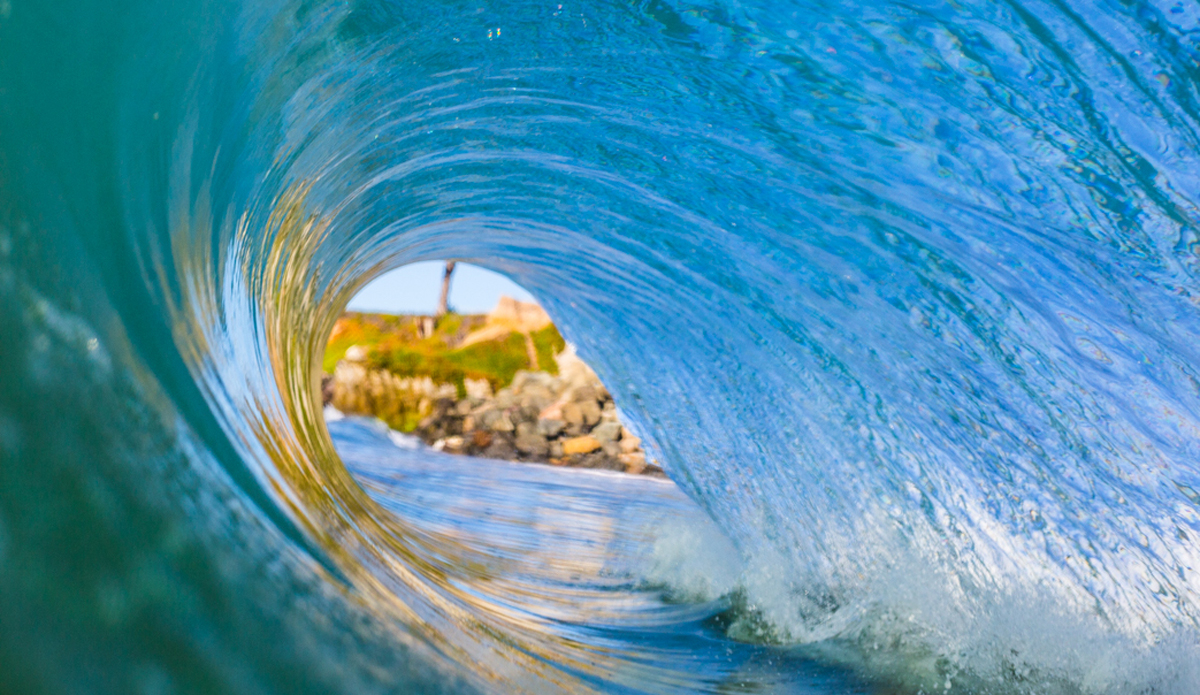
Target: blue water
{"x": 903, "y": 296}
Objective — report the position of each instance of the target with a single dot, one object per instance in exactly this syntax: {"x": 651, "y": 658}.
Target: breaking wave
{"x": 903, "y": 295}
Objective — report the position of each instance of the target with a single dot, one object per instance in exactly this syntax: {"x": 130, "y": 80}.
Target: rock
{"x": 598, "y": 460}
{"x": 629, "y": 443}
{"x": 572, "y": 414}
{"x": 481, "y": 439}
{"x": 611, "y": 449}
{"x": 532, "y": 444}
{"x": 633, "y": 462}
{"x": 590, "y": 411}
{"x": 550, "y": 428}
{"x": 526, "y": 413}
{"x": 536, "y": 398}
{"x": 529, "y": 382}
{"x": 556, "y": 450}
{"x": 454, "y": 444}
{"x": 503, "y": 423}
{"x": 438, "y": 411}
{"x": 580, "y": 445}
{"x": 496, "y": 420}
{"x": 583, "y": 394}
{"x": 500, "y": 448}
{"x": 478, "y": 389}
{"x": 606, "y": 432}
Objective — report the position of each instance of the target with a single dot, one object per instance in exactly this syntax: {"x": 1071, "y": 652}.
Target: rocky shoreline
{"x": 568, "y": 419}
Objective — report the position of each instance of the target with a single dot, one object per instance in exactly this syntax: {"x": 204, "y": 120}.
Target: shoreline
{"x": 564, "y": 417}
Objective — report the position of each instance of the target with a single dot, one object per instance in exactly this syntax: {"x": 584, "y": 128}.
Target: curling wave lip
{"x": 904, "y": 298}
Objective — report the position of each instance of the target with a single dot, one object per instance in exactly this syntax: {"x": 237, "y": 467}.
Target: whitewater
{"x": 904, "y": 296}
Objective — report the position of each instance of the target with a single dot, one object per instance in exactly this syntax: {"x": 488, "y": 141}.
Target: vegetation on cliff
{"x": 417, "y": 346}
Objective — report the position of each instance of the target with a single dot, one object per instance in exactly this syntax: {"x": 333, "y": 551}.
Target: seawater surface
{"x": 903, "y": 295}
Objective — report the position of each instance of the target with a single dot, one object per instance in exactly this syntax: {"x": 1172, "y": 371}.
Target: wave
{"x": 903, "y": 295}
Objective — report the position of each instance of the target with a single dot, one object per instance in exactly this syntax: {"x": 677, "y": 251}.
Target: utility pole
{"x": 443, "y": 300}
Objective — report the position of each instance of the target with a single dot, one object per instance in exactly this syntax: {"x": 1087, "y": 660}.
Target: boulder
{"x": 478, "y": 389}
{"x": 573, "y": 371}
{"x": 500, "y": 448}
{"x": 481, "y": 439}
{"x": 503, "y": 423}
{"x": 572, "y": 414}
{"x": 505, "y": 399}
{"x": 629, "y": 443}
{"x": 526, "y": 413}
{"x": 536, "y": 398}
{"x": 580, "y": 445}
{"x": 598, "y": 460}
{"x": 550, "y": 428}
{"x": 606, "y": 432}
{"x": 590, "y": 410}
{"x": 583, "y": 394}
{"x": 526, "y": 381}
{"x": 633, "y": 462}
{"x": 532, "y": 444}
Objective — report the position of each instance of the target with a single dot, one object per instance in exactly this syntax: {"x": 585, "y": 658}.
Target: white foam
{"x": 694, "y": 559}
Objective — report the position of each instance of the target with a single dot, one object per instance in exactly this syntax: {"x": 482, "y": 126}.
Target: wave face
{"x": 904, "y": 296}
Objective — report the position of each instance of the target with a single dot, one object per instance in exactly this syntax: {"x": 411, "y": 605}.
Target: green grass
{"x": 393, "y": 345}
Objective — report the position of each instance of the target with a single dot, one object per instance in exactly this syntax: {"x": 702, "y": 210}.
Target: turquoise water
{"x": 903, "y": 296}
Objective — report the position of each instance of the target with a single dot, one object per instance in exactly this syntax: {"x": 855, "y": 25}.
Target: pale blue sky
{"x": 414, "y": 289}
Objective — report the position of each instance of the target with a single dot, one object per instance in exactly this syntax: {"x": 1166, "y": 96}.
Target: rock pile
{"x": 541, "y": 418}
{"x": 567, "y": 419}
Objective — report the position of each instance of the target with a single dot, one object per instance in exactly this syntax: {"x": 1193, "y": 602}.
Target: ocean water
{"x": 904, "y": 296}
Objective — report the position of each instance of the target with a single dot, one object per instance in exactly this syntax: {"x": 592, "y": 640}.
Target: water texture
{"x": 904, "y": 296}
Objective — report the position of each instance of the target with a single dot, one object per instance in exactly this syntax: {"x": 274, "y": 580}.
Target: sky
{"x": 414, "y": 289}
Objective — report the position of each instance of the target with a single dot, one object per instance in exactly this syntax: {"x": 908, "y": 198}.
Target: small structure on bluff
{"x": 510, "y": 316}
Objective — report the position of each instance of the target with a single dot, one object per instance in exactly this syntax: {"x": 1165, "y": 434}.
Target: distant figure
{"x": 443, "y": 300}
